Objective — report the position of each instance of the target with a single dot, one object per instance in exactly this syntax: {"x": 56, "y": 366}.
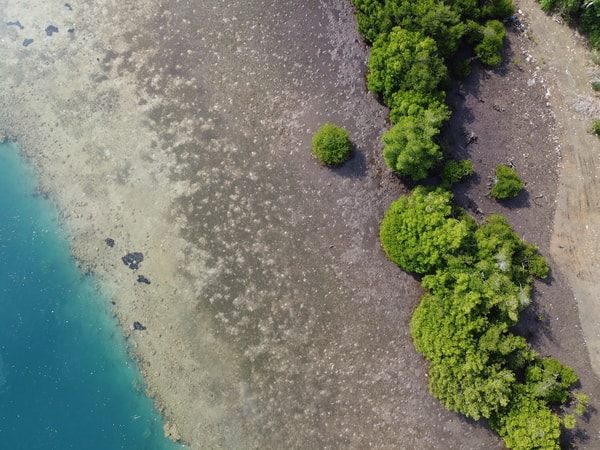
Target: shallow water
{"x": 66, "y": 379}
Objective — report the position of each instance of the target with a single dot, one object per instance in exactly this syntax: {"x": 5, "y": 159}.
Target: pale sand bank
{"x": 180, "y": 130}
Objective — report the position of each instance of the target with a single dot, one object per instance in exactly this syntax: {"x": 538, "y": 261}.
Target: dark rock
{"x": 143, "y": 279}
{"x": 51, "y": 29}
{"x": 16, "y": 23}
{"x": 69, "y": 7}
{"x": 110, "y": 242}
{"x": 133, "y": 260}
{"x": 71, "y": 30}
{"x": 27, "y": 42}
{"x": 138, "y": 326}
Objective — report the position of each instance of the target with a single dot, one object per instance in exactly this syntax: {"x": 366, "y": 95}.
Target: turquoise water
{"x": 66, "y": 380}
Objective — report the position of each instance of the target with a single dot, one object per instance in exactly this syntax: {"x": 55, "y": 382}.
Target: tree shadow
{"x": 520, "y": 201}
{"x": 355, "y": 167}
{"x": 459, "y": 94}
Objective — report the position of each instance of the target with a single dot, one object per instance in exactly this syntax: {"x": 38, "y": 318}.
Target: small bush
{"x": 595, "y": 128}
{"x": 508, "y": 183}
{"x": 331, "y": 145}
{"x": 489, "y": 50}
{"x": 596, "y": 86}
{"x": 548, "y": 5}
{"x": 454, "y": 171}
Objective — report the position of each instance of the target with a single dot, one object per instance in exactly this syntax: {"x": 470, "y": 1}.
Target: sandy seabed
{"x": 181, "y": 130}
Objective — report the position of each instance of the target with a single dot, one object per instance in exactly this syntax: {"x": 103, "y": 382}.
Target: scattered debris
{"x": 143, "y": 279}
{"x": 471, "y": 138}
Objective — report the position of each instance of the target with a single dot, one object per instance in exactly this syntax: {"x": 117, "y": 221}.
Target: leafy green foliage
{"x": 404, "y": 60}
{"x": 489, "y": 50}
{"x": 596, "y": 84}
{"x": 497, "y": 9}
{"x": 508, "y": 183}
{"x": 590, "y": 23}
{"x": 410, "y": 148}
{"x": 550, "y": 380}
{"x": 499, "y": 245}
{"x": 595, "y": 128}
{"x": 527, "y": 423}
{"x": 454, "y": 171}
{"x": 478, "y": 277}
{"x": 548, "y": 5}
{"x": 331, "y": 145}
{"x": 478, "y": 280}
{"x": 415, "y": 103}
{"x": 471, "y": 357}
{"x": 420, "y": 232}
{"x": 581, "y": 402}
{"x": 433, "y": 18}
{"x": 412, "y": 40}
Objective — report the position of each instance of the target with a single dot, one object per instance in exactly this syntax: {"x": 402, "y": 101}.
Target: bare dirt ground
{"x": 182, "y": 129}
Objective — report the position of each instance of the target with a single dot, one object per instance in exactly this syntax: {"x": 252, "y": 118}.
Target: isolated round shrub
{"x": 508, "y": 183}
{"x": 331, "y": 145}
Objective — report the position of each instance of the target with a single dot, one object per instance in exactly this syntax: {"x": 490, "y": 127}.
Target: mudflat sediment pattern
{"x": 182, "y": 130}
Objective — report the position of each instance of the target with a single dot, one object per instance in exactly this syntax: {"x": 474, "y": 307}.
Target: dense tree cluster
{"x": 478, "y": 277}
{"x": 413, "y": 42}
{"x": 478, "y": 280}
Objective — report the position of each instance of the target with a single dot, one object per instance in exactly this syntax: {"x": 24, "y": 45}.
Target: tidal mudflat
{"x": 181, "y": 130}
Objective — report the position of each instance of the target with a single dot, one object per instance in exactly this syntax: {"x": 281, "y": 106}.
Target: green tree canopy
{"x": 331, "y": 145}
{"x": 404, "y": 60}
{"x": 415, "y": 103}
{"x": 528, "y": 423}
{"x": 489, "y": 50}
{"x": 498, "y": 245}
{"x": 421, "y": 231}
{"x": 550, "y": 380}
{"x": 410, "y": 149}
{"x": 454, "y": 171}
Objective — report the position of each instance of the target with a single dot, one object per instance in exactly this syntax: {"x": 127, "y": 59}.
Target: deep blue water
{"x": 66, "y": 379}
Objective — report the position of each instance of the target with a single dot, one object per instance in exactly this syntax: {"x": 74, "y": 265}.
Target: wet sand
{"x": 183, "y": 131}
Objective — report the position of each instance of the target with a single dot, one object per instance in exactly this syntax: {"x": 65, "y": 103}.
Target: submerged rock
{"x": 51, "y": 29}
{"x": 133, "y": 260}
{"x": 138, "y": 326}
{"x": 16, "y": 23}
